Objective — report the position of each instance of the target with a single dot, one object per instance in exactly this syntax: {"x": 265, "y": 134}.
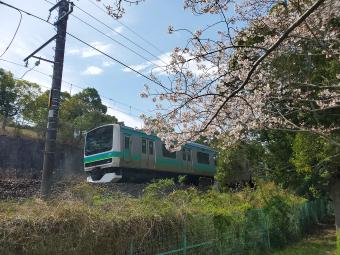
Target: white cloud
{"x": 119, "y": 29}
{"x": 128, "y": 120}
{"x": 156, "y": 66}
{"x": 73, "y": 52}
{"x": 91, "y": 52}
{"x": 139, "y": 68}
{"x": 92, "y": 70}
{"x": 108, "y": 63}
{"x": 87, "y": 52}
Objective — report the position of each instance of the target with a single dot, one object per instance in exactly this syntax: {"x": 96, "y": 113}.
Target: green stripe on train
{"x": 102, "y": 156}
{"x": 159, "y": 161}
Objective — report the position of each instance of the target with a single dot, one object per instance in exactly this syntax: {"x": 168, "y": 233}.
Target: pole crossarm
{"x": 40, "y": 48}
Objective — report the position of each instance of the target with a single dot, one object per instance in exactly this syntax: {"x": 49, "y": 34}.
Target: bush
{"x": 87, "y": 219}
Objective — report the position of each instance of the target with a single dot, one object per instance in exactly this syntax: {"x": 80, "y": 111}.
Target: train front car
{"x": 102, "y": 154}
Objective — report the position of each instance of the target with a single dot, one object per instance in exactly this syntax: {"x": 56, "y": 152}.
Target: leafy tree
{"x": 318, "y": 162}
{"x": 91, "y": 100}
{"x": 36, "y": 109}
{"x": 8, "y": 97}
{"x": 78, "y": 113}
{"x": 81, "y": 112}
{"x": 238, "y": 164}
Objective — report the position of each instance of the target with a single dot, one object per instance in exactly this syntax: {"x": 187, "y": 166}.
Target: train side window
{"x": 189, "y": 155}
{"x": 186, "y": 154}
{"x": 127, "y": 142}
{"x": 150, "y": 147}
{"x": 203, "y": 158}
{"x": 144, "y": 146}
{"x": 167, "y": 153}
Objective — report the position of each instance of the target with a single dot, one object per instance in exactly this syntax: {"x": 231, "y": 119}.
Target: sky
{"x": 118, "y": 86}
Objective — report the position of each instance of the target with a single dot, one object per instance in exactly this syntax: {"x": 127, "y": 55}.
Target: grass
{"x": 84, "y": 220}
{"x": 320, "y": 243}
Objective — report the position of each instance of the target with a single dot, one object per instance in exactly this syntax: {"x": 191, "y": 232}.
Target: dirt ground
{"x": 25, "y": 188}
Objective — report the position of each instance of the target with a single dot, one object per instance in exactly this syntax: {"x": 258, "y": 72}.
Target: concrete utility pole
{"x": 51, "y": 134}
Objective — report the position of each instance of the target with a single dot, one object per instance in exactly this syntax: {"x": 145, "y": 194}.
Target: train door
{"x": 187, "y": 158}
{"x": 127, "y": 148}
{"x": 148, "y": 153}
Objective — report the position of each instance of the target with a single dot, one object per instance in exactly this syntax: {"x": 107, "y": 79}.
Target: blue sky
{"x": 83, "y": 66}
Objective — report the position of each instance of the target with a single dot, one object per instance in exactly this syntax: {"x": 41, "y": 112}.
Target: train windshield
{"x": 99, "y": 140}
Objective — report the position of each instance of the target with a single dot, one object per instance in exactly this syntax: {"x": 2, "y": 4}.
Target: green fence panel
{"x": 255, "y": 233}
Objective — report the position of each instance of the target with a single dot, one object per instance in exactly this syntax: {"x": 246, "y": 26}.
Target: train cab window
{"x": 184, "y": 152}
{"x": 189, "y": 155}
{"x": 168, "y": 154}
{"x": 203, "y": 158}
{"x": 150, "y": 147}
{"x": 127, "y": 142}
{"x": 144, "y": 146}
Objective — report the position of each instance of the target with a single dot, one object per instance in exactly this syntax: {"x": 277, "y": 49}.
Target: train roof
{"x": 201, "y": 146}
{"x": 142, "y": 133}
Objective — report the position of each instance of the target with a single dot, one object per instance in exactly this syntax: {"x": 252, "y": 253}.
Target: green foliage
{"x": 78, "y": 113}
{"x": 87, "y": 219}
{"x": 317, "y": 161}
{"x": 238, "y": 163}
{"x": 8, "y": 96}
{"x": 159, "y": 188}
{"x": 276, "y": 159}
{"x": 317, "y": 244}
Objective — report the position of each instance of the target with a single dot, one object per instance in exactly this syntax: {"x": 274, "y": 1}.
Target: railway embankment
{"x": 28, "y": 188}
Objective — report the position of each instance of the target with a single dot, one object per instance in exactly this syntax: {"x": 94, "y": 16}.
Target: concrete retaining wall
{"x": 23, "y": 157}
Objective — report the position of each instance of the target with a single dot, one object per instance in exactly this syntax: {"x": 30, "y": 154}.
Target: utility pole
{"x": 52, "y": 123}
{"x": 53, "y": 106}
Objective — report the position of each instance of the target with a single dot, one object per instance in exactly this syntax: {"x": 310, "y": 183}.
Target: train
{"x": 115, "y": 152}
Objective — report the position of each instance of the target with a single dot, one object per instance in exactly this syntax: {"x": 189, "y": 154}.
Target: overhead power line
{"x": 27, "y": 13}
{"x": 71, "y": 84}
{"x": 77, "y": 86}
{"x": 118, "y": 61}
{"x": 89, "y": 45}
{"x": 129, "y": 28}
{"x": 15, "y": 33}
{"x": 120, "y": 34}
{"x": 114, "y": 40}
{"x": 121, "y": 44}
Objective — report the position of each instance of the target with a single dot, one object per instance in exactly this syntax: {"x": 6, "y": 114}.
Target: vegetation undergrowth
{"x": 86, "y": 219}
{"x": 320, "y": 242}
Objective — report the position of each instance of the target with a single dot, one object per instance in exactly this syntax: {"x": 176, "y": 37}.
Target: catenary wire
{"x": 89, "y": 45}
{"x": 118, "y": 61}
{"x": 15, "y": 33}
{"x": 114, "y": 40}
{"x": 121, "y": 44}
{"x": 72, "y": 84}
{"x": 120, "y": 34}
{"x": 130, "y": 29}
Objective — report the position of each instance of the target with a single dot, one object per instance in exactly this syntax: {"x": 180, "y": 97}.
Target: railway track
{"x": 26, "y": 188}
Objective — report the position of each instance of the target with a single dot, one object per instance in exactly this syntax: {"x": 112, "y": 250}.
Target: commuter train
{"x": 115, "y": 152}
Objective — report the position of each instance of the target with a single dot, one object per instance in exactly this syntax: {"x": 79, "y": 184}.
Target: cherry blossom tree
{"x": 257, "y": 72}
{"x": 236, "y": 87}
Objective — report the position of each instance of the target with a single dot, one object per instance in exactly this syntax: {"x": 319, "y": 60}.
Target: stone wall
{"x": 23, "y": 157}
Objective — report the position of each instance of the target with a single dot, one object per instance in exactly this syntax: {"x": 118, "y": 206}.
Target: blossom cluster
{"x": 230, "y": 87}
